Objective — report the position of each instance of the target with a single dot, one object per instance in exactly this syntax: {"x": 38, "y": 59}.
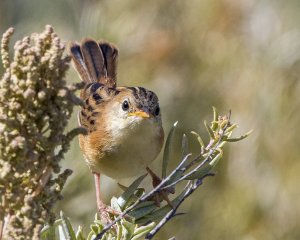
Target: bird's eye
{"x": 125, "y": 105}
{"x": 157, "y": 111}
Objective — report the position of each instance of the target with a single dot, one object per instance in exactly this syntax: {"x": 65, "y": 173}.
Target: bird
{"x": 124, "y": 132}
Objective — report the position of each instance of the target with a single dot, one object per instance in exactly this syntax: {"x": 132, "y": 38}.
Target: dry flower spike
{"x": 35, "y": 106}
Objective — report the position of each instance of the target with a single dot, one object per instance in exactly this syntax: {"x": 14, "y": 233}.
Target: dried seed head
{"x": 31, "y": 129}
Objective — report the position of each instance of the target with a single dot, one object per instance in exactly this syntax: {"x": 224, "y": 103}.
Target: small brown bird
{"x": 124, "y": 124}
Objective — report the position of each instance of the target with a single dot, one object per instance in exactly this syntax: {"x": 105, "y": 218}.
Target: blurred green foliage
{"x": 242, "y": 55}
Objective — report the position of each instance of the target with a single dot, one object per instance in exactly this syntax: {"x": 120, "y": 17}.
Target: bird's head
{"x": 132, "y": 107}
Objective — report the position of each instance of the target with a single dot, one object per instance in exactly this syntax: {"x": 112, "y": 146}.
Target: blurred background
{"x": 242, "y": 55}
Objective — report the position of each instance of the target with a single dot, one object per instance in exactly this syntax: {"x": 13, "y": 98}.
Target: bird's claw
{"x": 106, "y": 212}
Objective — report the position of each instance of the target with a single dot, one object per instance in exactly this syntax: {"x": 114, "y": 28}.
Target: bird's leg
{"x": 100, "y": 204}
{"x": 103, "y": 209}
{"x": 162, "y": 195}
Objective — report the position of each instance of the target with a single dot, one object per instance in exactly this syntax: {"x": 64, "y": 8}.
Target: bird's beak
{"x": 141, "y": 114}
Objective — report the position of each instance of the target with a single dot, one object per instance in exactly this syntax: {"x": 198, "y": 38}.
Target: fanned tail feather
{"x": 96, "y": 62}
{"x": 110, "y": 53}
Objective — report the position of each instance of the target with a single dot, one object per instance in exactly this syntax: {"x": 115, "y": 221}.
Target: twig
{"x": 172, "y": 213}
{"x": 210, "y": 153}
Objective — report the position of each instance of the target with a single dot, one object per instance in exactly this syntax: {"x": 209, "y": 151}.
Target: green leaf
{"x": 200, "y": 173}
{"x": 91, "y": 236}
{"x": 167, "y": 150}
{"x": 144, "y": 204}
{"x": 184, "y": 146}
{"x": 122, "y": 200}
{"x": 199, "y": 139}
{"x": 99, "y": 223}
{"x": 105, "y": 237}
{"x": 94, "y": 228}
{"x": 160, "y": 213}
{"x": 48, "y": 231}
{"x": 184, "y": 162}
{"x": 79, "y": 234}
{"x": 238, "y": 138}
{"x": 155, "y": 215}
{"x": 140, "y": 232}
{"x": 215, "y": 114}
{"x": 231, "y": 128}
{"x": 67, "y": 227}
{"x": 216, "y": 159}
{"x": 209, "y": 130}
{"x": 214, "y": 124}
{"x": 143, "y": 211}
{"x": 119, "y": 231}
{"x": 127, "y": 229}
{"x": 115, "y": 205}
{"x": 139, "y": 192}
{"x": 124, "y": 188}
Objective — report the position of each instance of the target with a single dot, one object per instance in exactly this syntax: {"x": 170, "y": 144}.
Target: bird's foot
{"x": 106, "y": 213}
{"x": 163, "y": 194}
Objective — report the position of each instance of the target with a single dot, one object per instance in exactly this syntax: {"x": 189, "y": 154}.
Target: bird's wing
{"x": 95, "y": 95}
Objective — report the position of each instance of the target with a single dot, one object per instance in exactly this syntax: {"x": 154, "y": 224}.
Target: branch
{"x": 172, "y": 213}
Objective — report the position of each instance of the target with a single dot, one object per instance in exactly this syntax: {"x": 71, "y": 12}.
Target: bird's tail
{"x": 95, "y": 62}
